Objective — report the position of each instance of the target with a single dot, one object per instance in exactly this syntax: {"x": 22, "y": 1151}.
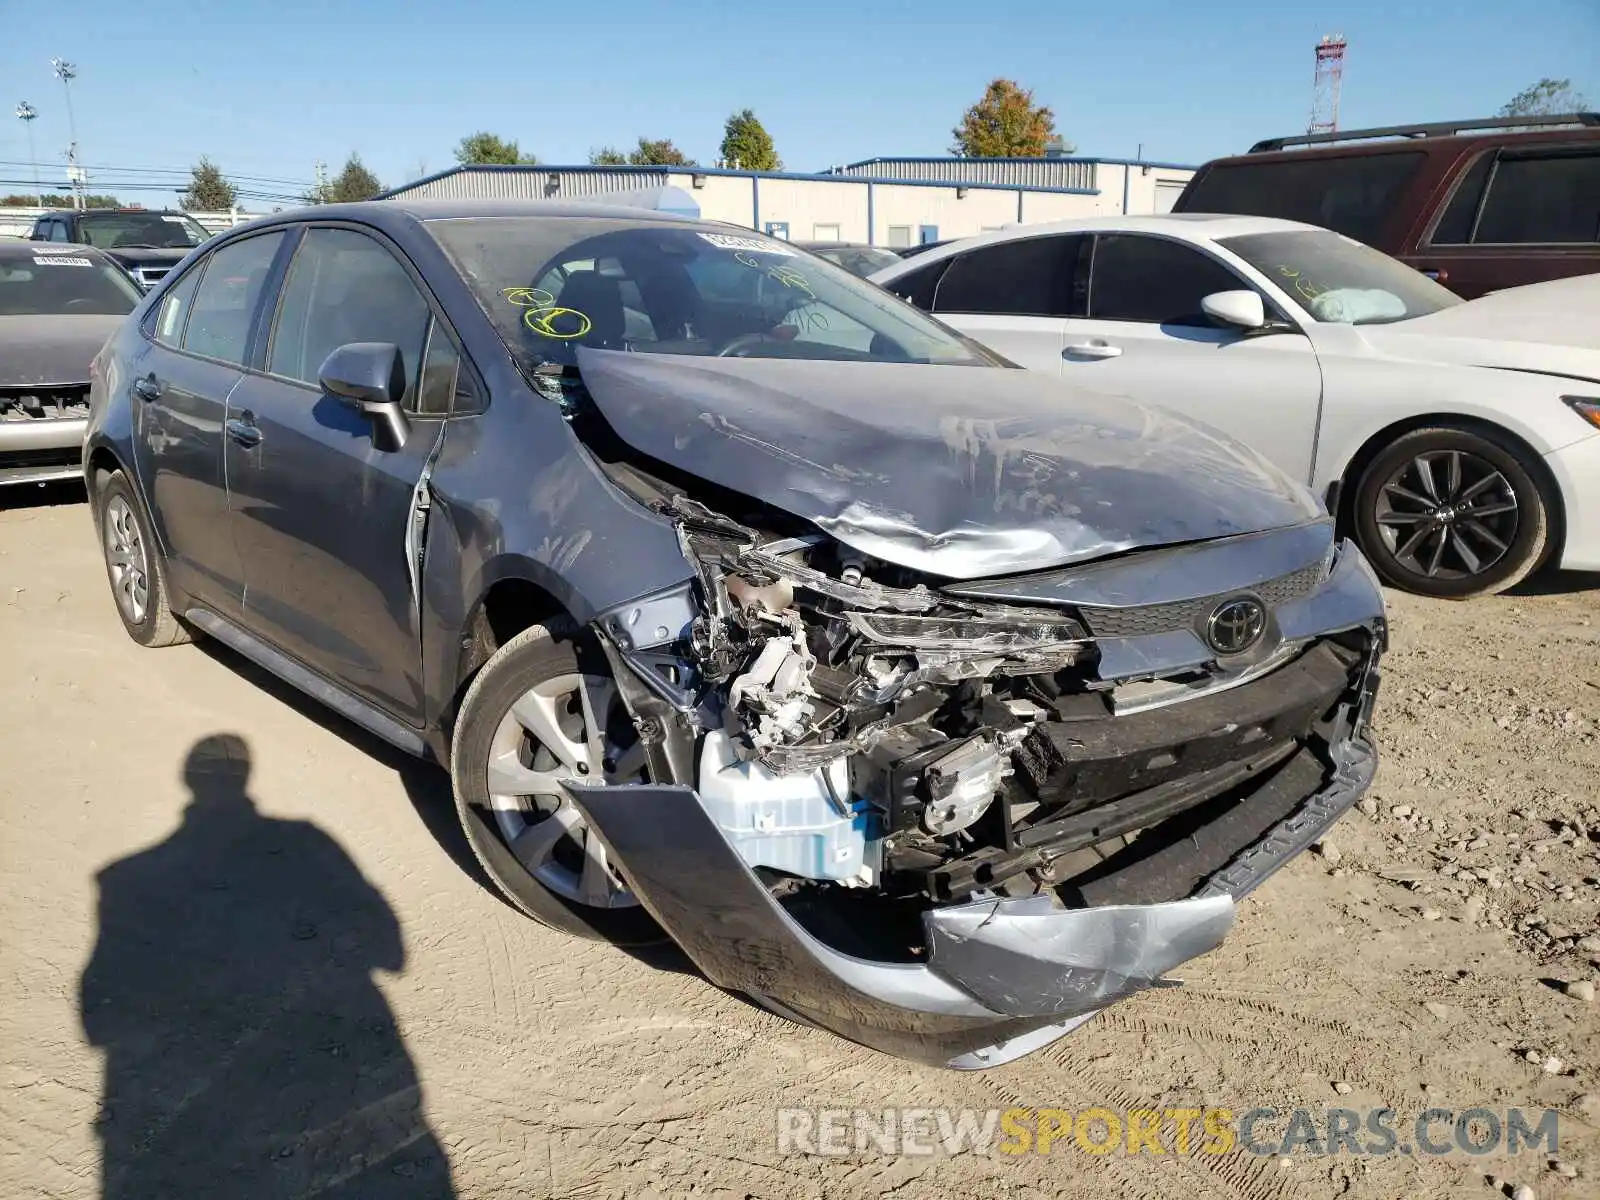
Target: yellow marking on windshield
{"x": 789, "y": 277}
{"x": 1302, "y": 285}
{"x": 541, "y": 313}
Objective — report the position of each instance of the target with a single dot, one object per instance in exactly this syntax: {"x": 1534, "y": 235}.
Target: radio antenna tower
{"x": 1325, "y": 91}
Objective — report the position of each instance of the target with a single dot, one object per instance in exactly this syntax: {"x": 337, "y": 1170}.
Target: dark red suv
{"x": 1477, "y": 205}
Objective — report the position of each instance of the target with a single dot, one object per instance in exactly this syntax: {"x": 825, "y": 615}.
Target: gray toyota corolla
{"x": 912, "y": 695}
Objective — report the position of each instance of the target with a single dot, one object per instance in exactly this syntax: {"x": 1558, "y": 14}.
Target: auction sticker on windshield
{"x": 57, "y": 260}
{"x": 731, "y": 241}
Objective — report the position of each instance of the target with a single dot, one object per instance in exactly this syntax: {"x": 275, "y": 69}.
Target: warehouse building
{"x": 881, "y": 201}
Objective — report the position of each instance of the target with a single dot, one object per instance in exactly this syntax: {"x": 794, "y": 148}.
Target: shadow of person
{"x": 248, "y": 1051}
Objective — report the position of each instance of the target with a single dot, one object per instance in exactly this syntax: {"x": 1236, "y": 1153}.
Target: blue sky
{"x": 267, "y": 88}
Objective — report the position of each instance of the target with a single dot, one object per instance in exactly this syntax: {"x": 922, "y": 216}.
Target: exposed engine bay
{"x": 848, "y": 725}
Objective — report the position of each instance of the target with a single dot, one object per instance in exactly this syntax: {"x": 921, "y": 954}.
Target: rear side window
{"x": 1351, "y": 194}
{"x": 917, "y": 287}
{"x": 225, "y": 304}
{"x": 1455, "y": 226}
{"x": 1542, "y": 199}
{"x": 1028, "y": 277}
{"x": 1150, "y": 279}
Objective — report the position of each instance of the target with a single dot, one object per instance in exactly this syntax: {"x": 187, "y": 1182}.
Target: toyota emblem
{"x": 1236, "y": 625}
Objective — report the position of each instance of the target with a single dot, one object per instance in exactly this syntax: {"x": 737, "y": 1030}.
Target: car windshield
{"x": 858, "y": 260}
{"x": 1338, "y": 280}
{"x": 140, "y": 231}
{"x": 551, "y": 284}
{"x": 42, "y": 283}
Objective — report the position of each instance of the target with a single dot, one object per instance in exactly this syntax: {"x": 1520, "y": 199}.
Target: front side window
{"x": 344, "y": 287}
{"x": 47, "y": 282}
{"x": 1542, "y": 199}
{"x": 1338, "y": 280}
{"x": 58, "y": 231}
{"x": 1455, "y": 223}
{"x": 1153, "y": 280}
{"x": 140, "y": 231}
{"x": 173, "y": 313}
{"x": 550, "y": 285}
{"x": 226, "y": 302}
{"x": 1026, "y": 277}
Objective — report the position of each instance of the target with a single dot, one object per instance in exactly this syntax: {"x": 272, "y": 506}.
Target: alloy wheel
{"x": 1447, "y": 514}
{"x": 569, "y": 728}
{"x": 128, "y": 560}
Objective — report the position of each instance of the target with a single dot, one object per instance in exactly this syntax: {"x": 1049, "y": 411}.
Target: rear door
{"x": 198, "y": 339}
{"x": 1517, "y": 217}
{"x": 1013, "y": 296}
{"x": 1145, "y": 336}
{"x": 321, "y": 516}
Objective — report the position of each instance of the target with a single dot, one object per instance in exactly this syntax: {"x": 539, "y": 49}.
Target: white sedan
{"x": 1460, "y": 441}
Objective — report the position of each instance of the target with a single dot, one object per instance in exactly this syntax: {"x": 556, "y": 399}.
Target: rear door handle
{"x": 243, "y": 430}
{"x": 1096, "y": 349}
{"x": 147, "y": 388}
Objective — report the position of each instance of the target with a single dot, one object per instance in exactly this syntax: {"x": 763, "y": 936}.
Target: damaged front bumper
{"x": 1003, "y": 977}
{"x": 995, "y": 976}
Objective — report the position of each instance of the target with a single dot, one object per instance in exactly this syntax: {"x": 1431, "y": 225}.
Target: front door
{"x": 320, "y": 513}
{"x": 1146, "y": 337}
{"x": 179, "y": 386}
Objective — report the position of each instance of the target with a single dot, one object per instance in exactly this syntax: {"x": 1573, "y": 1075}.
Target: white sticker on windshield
{"x": 175, "y": 220}
{"x": 732, "y": 241}
{"x": 57, "y": 260}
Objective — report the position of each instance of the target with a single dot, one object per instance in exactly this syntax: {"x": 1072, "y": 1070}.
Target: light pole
{"x": 27, "y": 114}
{"x": 67, "y": 72}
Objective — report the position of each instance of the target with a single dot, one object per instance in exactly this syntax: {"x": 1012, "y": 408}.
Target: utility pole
{"x": 27, "y": 114}
{"x": 321, "y": 171}
{"x": 67, "y": 72}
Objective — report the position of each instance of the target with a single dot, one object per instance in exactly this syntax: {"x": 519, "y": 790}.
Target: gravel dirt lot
{"x": 427, "y": 1036}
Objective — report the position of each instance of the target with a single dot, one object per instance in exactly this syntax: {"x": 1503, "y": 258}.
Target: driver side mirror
{"x": 1242, "y": 309}
{"x": 371, "y": 378}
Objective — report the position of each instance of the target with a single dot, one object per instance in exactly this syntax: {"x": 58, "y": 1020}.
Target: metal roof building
{"x": 882, "y": 201}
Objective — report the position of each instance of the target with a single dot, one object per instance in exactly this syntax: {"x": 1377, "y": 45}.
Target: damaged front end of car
{"x": 952, "y": 819}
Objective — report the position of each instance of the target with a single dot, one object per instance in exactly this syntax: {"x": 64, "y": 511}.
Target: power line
{"x": 175, "y": 172}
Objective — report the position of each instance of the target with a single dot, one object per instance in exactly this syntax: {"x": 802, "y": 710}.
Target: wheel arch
{"x": 506, "y": 605}
{"x": 1349, "y": 478}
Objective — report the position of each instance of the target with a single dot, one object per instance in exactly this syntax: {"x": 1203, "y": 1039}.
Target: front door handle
{"x": 243, "y": 431}
{"x": 1095, "y": 349}
{"x": 147, "y": 388}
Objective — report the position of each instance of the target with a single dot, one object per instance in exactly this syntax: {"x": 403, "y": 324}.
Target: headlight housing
{"x": 1587, "y": 407}
{"x": 976, "y": 635}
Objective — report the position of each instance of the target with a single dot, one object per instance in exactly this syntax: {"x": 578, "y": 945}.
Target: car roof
{"x": 12, "y": 251}
{"x": 392, "y": 216}
{"x": 1188, "y": 227}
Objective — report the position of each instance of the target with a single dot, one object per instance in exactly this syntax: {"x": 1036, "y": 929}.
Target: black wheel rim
{"x": 1447, "y": 515}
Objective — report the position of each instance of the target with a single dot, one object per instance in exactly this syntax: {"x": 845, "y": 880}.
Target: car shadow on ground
{"x": 426, "y": 784}
{"x": 248, "y": 1049}
{"x": 1550, "y": 582}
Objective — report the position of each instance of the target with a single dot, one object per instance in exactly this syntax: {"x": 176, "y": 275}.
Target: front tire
{"x": 544, "y": 709}
{"x": 1452, "y": 513}
{"x": 134, "y": 567}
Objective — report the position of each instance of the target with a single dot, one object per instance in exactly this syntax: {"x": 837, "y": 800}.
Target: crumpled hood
{"x": 44, "y": 350}
{"x": 1551, "y": 327}
{"x": 962, "y": 472}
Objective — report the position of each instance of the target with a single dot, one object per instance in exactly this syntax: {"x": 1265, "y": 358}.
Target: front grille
{"x": 1184, "y": 614}
{"x": 44, "y": 404}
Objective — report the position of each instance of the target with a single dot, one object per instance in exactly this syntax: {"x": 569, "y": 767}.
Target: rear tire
{"x": 134, "y": 568}
{"x": 524, "y": 725}
{"x": 1452, "y": 513}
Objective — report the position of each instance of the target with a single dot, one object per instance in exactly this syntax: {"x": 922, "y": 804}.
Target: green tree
{"x": 353, "y": 183}
{"x": 60, "y": 200}
{"x": 658, "y": 152}
{"x": 484, "y": 147}
{"x": 1004, "y": 124}
{"x": 1548, "y": 97}
{"x": 747, "y": 144}
{"x": 208, "y": 190}
{"x": 607, "y": 156}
